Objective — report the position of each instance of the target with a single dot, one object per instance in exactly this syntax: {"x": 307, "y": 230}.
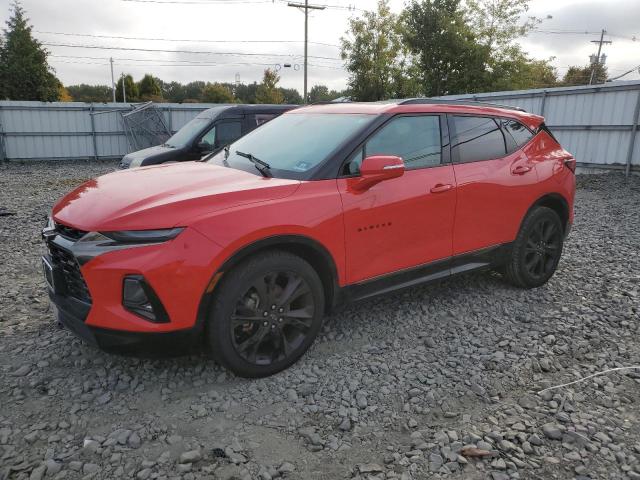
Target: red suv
{"x": 247, "y": 251}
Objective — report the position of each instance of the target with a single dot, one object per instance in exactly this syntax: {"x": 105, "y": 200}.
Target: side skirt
{"x": 490, "y": 257}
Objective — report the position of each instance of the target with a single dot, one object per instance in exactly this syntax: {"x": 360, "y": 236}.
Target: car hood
{"x": 164, "y": 196}
{"x": 135, "y": 159}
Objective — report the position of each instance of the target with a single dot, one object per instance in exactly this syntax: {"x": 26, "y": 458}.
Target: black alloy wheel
{"x": 543, "y": 248}
{"x": 537, "y": 249}
{"x": 272, "y": 318}
{"x": 265, "y": 314}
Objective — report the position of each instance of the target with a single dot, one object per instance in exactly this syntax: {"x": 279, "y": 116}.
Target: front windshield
{"x": 187, "y": 134}
{"x": 293, "y": 144}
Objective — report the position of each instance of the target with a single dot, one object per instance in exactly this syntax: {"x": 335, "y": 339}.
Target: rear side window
{"x": 261, "y": 118}
{"x": 475, "y": 139}
{"x": 544, "y": 128}
{"x": 516, "y": 134}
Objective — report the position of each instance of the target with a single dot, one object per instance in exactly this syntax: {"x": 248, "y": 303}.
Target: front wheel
{"x": 537, "y": 249}
{"x": 266, "y": 313}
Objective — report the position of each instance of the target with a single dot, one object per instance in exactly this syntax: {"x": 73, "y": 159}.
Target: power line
{"x": 155, "y": 39}
{"x": 232, "y": 2}
{"x": 167, "y": 63}
{"x": 199, "y": 52}
{"x": 200, "y": 2}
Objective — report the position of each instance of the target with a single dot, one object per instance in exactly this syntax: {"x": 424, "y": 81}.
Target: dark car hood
{"x": 164, "y": 196}
{"x": 161, "y": 153}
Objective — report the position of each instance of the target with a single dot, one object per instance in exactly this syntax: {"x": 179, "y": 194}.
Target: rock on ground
{"x": 437, "y": 381}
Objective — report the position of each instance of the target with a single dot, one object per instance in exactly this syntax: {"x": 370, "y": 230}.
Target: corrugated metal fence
{"x": 598, "y": 124}
{"x": 83, "y": 131}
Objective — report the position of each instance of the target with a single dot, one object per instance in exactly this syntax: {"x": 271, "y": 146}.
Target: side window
{"x": 414, "y": 139}
{"x": 209, "y": 137}
{"x": 517, "y": 135}
{"x": 227, "y": 133}
{"x": 352, "y": 167}
{"x": 476, "y": 139}
{"x": 263, "y": 118}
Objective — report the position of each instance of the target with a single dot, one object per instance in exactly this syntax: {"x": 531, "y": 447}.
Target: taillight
{"x": 570, "y": 163}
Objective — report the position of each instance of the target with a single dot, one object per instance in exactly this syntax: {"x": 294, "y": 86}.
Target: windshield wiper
{"x": 263, "y": 167}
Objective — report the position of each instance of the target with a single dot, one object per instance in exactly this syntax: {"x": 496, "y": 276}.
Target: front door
{"x": 407, "y": 221}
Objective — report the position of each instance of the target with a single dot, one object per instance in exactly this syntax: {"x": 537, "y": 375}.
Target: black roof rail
{"x": 440, "y": 101}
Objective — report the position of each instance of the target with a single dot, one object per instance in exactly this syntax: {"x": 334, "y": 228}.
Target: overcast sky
{"x": 200, "y": 25}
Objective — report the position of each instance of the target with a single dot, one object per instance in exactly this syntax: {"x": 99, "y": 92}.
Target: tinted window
{"x": 261, "y": 118}
{"x": 227, "y": 132}
{"x": 352, "y": 167}
{"x": 517, "y": 132}
{"x": 476, "y": 139}
{"x": 209, "y": 137}
{"x": 188, "y": 133}
{"x": 415, "y": 139}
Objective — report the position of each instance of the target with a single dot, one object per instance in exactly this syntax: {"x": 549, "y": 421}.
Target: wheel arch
{"x": 305, "y": 247}
{"x": 555, "y": 202}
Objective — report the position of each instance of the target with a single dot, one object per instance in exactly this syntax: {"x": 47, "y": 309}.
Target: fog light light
{"x": 139, "y": 298}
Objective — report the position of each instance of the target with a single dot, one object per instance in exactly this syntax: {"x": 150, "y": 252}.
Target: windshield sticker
{"x": 301, "y": 166}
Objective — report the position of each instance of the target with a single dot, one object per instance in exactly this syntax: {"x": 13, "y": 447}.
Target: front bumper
{"x": 178, "y": 270}
{"x": 71, "y": 314}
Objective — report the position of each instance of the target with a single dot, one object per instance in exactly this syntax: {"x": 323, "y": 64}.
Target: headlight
{"x": 144, "y": 236}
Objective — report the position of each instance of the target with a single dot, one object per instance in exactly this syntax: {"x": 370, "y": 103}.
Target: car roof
{"x": 214, "y": 112}
{"x": 424, "y": 105}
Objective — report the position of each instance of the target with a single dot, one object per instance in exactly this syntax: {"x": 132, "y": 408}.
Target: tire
{"x": 249, "y": 329}
{"x": 536, "y": 250}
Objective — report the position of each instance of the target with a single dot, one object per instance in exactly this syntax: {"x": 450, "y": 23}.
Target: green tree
{"x": 130, "y": 89}
{"x": 497, "y": 24}
{"x": 319, "y": 93}
{"x": 149, "y": 88}
{"x": 291, "y": 96}
{"x": 217, "y": 93}
{"x": 90, "y": 93}
{"x": 24, "y": 71}
{"x": 449, "y": 58}
{"x": 582, "y": 75}
{"x": 268, "y": 91}
{"x": 376, "y": 57}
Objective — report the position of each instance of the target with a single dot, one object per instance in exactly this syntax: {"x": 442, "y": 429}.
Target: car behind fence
{"x": 597, "y": 123}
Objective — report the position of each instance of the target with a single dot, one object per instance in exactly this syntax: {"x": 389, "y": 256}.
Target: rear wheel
{"x": 537, "y": 249}
{"x": 266, "y": 313}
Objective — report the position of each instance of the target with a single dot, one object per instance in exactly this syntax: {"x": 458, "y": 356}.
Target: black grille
{"x": 66, "y": 264}
{"x": 70, "y": 233}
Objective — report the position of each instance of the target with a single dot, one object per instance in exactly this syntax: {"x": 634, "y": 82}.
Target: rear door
{"x": 407, "y": 221}
{"x": 493, "y": 177}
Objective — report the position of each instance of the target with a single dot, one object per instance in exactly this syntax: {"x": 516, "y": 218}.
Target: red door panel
{"x": 492, "y": 198}
{"x": 398, "y": 223}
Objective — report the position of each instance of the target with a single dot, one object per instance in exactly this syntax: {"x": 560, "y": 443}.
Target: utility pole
{"x": 306, "y": 8}
{"x": 124, "y": 90}
{"x": 113, "y": 84}
{"x": 598, "y": 59}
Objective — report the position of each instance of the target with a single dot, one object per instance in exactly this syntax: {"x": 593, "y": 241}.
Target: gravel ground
{"x": 434, "y": 382}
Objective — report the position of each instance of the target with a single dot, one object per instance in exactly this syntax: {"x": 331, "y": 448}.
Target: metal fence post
{"x": 543, "y": 103}
{"x": 170, "y": 120}
{"x": 3, "y": 150}
{"x": 632, "y": 141}
{"x": 93, "y": 133}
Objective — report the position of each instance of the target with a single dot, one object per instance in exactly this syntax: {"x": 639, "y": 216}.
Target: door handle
{"x": 521, "y": 169}
{"x": 439, "y": 188}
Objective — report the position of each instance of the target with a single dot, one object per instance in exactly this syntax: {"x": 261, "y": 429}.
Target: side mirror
{"x": 376, "y": 169}
{"x": 205, "y": 147}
